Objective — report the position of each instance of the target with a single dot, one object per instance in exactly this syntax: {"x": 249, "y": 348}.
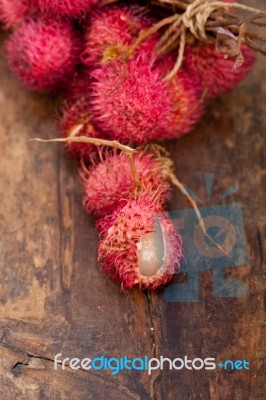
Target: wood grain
{"x": 53, "y": 298}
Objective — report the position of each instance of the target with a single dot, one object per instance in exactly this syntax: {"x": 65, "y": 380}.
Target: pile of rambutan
{"x": 103, "y": 60}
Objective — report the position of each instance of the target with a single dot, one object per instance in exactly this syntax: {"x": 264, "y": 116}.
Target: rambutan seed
{"x": 66, "y": 8}
{"x": 136, "y": 251}
{"x": 216, "y": 72}
{"x": 148, "y": 261}
{"x": 108, "y": 182}
{"x": 43, "y": 54}
{"x": 111, "y": 30}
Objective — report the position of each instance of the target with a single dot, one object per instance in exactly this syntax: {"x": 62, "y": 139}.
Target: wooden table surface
{"x": 53, "y": 297}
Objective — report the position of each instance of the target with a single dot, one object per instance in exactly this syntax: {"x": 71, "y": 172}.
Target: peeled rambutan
{"x": 109, "y": 181}
{"x": 66, "y": 8}
{"x": 141, "y": 247}
{"x": 113, "y": 29}
{"x": 216, "y": 72}
{"x": 43, "y": 53}
{"x": 13, "y": 12}
{"x": 132, "y": 102}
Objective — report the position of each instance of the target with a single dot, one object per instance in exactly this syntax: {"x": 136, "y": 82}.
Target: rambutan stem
{"x": 145, "y": 34}
{"x": 134, "y": 172}
{"x": 199, "y": 17}
{"x": 195, "y": 19}
{"x": 85, "y": 139}
{"x": 180, "y": 56}
{"x": 98, "y": 142}
{"x": 193, "y": 203}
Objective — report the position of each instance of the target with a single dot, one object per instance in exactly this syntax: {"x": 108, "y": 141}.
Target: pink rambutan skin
{"x": 66, "y": 8}
{"x": 75, "y": 121}
{"x": 13, "y": 12}
{"x": 75, "y": 117}
{"x": 118, "y": 247}
{"x": 111, "y": 30}
{"x": 130, "y": 101}
{"x": 108, "y": 182}
{"x": 133, "y": 103}
{"x": 78, "y": 86}
{"x": 216, "y": 72}
{"x": 187, "y": 104}
{"x": 43, "y": 53}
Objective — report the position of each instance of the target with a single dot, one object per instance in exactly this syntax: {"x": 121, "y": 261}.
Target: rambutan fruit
{"x": 13, "y": 12}
{"x": 132, "y": 102}
{"x": 66, "y": 8}
{"x": 109, "y": 181}
{"x": 187, "y": 104}
{"x": 43, "y": 54}
{"x": 111, "y": 30}
{"x": 141, "y": 247}
{"x": 75, "y": 120}
{"x": 216, "y": 72}
{"x": 78, "y": 86}
{"x": 129, "y": 100}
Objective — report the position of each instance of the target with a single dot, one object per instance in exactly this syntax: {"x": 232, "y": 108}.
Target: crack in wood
{"x": 29, "y": 363}
{"x": 148, "y": 295}
{"x": 260, "y": 245}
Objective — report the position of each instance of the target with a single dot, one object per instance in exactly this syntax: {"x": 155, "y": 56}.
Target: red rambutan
{"x": 112, "y": 29}
{"x": 216, "y": 72}
{"x": 109, "y": 181}
{"x": 78, "y": 86}
{"x": 129, "y": 100}
{"x": 186, "y": 104}
{"x": 13, "y": 12}
{"x": 75, "y": 117}
{"x": 75, "y": 120}
{"x": 141, "y": 247}
{"x": 66, "y": 8}
{"x": 132, "y": 102}
{"x": 43, "y": 53}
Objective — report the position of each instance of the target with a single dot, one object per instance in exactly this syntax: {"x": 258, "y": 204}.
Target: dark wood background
{"x": 53, "y": 298}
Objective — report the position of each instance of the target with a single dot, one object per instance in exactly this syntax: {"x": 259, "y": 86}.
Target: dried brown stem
{"x": 98, "y": 142}
{"x": 153, "y": 29}
{"x": 204, "y": 19}
{"x": 180, "y": 56}
{"x": 193, "y": 203}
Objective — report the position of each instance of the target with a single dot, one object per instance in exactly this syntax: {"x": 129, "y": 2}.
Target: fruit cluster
{"x": 84, "y": 52}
